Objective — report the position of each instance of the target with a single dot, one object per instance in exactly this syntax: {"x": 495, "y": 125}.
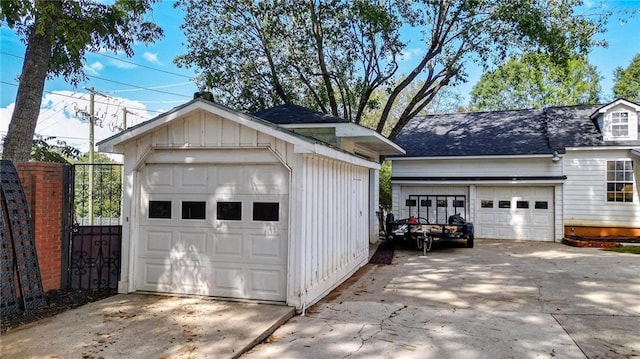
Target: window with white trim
{"x": 620, "y": 181}
{"x": 620, "y": 124}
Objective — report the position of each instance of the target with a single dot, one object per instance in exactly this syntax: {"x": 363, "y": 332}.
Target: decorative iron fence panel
{"x": 95, "y": 257}
{"x": 95, "y": 236}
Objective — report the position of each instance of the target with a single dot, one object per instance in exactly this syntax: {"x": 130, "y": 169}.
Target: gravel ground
{"x": 58, "y": 301}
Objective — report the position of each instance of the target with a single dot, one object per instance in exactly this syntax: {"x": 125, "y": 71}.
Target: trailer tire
{"x": 470, "y": 242}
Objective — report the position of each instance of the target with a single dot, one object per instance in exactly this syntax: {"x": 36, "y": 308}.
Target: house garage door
{"x": 515, "y": 213}
{"x": 218, "y": 230}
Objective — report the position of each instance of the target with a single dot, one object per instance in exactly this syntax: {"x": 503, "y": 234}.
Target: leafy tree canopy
{"x": 332, "y": 55}
{"x": 627, "y": 81}
{"x": 50, "y": 149}
{"x": 58, "y": 34}
{"x": 535, "y": 81}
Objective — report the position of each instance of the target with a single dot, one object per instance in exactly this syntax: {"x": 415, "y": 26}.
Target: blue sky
{"x": 150, "y": 83}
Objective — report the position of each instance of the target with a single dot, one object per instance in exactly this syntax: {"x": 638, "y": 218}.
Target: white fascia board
{"x": 467, "y": 183}
{"x": 444, "y": 158}
{"x": 329, "y": 152}
{"x": 353, "y": 131}
{"x": 606, "y": 108}
{"x": 602, "y": 148}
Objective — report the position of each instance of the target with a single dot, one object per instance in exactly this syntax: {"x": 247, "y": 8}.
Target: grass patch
{"x": 625, "y": 249}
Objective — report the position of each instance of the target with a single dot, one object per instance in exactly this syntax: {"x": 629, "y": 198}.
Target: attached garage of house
{"x": 225, "y": 204}
{"x": 498, "y": 211}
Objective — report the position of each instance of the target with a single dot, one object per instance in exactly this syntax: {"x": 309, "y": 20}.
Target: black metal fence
{"x": 94, "y": 229}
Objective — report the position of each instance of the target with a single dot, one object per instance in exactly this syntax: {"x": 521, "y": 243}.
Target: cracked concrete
{"x": 502, "y": 299}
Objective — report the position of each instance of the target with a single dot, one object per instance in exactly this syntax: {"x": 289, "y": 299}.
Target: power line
{"x": 152, "y": 87}
{"x": 139, "y": 87}
{"x": 100, "y": 102}
{"x": 145, "y": 66}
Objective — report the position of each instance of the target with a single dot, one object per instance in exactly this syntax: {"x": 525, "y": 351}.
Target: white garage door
{"x": 515, "y": 213}
{"x": 214, "y": 230}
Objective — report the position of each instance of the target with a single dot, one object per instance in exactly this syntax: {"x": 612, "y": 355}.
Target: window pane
{"x": 441, "y": 203}
{"x": 504, "y": 204}
{"x": 410, "y": 202}
{"x": 542, "y": 205}
{"x": 458, "y": 204}
{"x": 425, "y": 202}
{"x": 486, "y": 203}
{"x": 160, "y": 209}
{"x": 229, "y": 211}
{"x": 620, "y": 181}
{"x": 194, "y": 210}
{"x": 522, "y": 204}
{"x": 266, "y": 211}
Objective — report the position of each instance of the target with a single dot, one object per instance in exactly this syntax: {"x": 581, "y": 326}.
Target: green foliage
{"x": 535, "y": 81}
{"x": 385, "y": 185}
{"x": 627, "y": 81}
{"x": 49, "y": 149}
{"x": 82, "y": 26}
{"x": 625, "y": 249}
{"x": 107, "y": 187}
{"x": 334, "y": 55}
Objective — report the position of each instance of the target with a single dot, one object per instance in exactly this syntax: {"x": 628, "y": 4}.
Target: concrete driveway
{"x": 147, "y": 326}
{"x": 502, "y": 299}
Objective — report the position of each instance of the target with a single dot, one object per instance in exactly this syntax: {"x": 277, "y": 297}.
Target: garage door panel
{"x": 228, "y": 246}
{"x": 158, "y": 275}
{"x": 527, "y": 222}
{"x": 242, "y": 258}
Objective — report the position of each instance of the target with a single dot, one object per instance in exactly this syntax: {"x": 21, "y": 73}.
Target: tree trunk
{"x": 17, "y": 143}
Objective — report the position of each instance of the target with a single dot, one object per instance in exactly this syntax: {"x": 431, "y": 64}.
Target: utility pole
{"x": 92, "y": 121}
{"x": 124, "y": 117}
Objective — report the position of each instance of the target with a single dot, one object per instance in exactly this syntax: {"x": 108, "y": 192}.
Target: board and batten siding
{"x": 333, "y": 224}
{"x": 201, "y": 137}
{"x": 585, "y": 202}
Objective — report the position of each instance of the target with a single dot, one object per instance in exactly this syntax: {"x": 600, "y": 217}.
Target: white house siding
{"x": 585, "y": 202}
{"x": 478, "y": 167}
{"x": 333, "y": 225}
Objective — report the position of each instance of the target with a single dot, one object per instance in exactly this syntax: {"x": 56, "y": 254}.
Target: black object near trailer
{"x": 435, "y": 217}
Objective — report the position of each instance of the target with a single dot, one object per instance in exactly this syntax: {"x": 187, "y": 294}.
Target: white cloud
{"x": 151, "y": 57}
{"x": 94, "y": 68}
{"x": 409, "y": 54}
{"x": 121, "y": 64}
{"x": 62, "y": 117}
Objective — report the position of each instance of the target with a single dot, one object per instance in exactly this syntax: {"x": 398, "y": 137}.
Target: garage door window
{"x": 231, "y": 211}
{"x": 619, "y": 181}
{"x": 266, "y": 211}
{"x": 160, "y": 209}
{"x": 410, "y": 203}
{"x": 194, "y": 210}
{"x": 486, "y": 203}
{"x": 522, "y": 204}
{"x": 542, "y": 205}
{"x": 504, "y": 204}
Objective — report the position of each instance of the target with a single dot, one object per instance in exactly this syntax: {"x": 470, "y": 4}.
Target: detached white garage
{"x": 229, "y": 205}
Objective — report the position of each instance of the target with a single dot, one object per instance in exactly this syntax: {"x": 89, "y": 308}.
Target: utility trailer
{"x": 435, "y": 217}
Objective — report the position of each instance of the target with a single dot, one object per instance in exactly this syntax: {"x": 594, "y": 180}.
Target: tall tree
{"x": 535, "y": 81}
{"x": 58, "y": 34}
{"x": 333, "y": 54}
{"x": 627, "y": 83}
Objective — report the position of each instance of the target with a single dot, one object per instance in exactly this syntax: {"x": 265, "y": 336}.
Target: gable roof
{"x": 504, "y": 133}
{"x": 291, "y": 114}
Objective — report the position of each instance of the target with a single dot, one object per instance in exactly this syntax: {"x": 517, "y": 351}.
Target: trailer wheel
{"x": 470, "y": 242}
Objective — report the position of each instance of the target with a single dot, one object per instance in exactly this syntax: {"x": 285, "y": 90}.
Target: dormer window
{"x": 620, "y": 124}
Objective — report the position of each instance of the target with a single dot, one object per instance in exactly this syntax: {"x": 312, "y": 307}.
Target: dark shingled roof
{"x": 292, "y": 114}
{"x": 517, "y": 132}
